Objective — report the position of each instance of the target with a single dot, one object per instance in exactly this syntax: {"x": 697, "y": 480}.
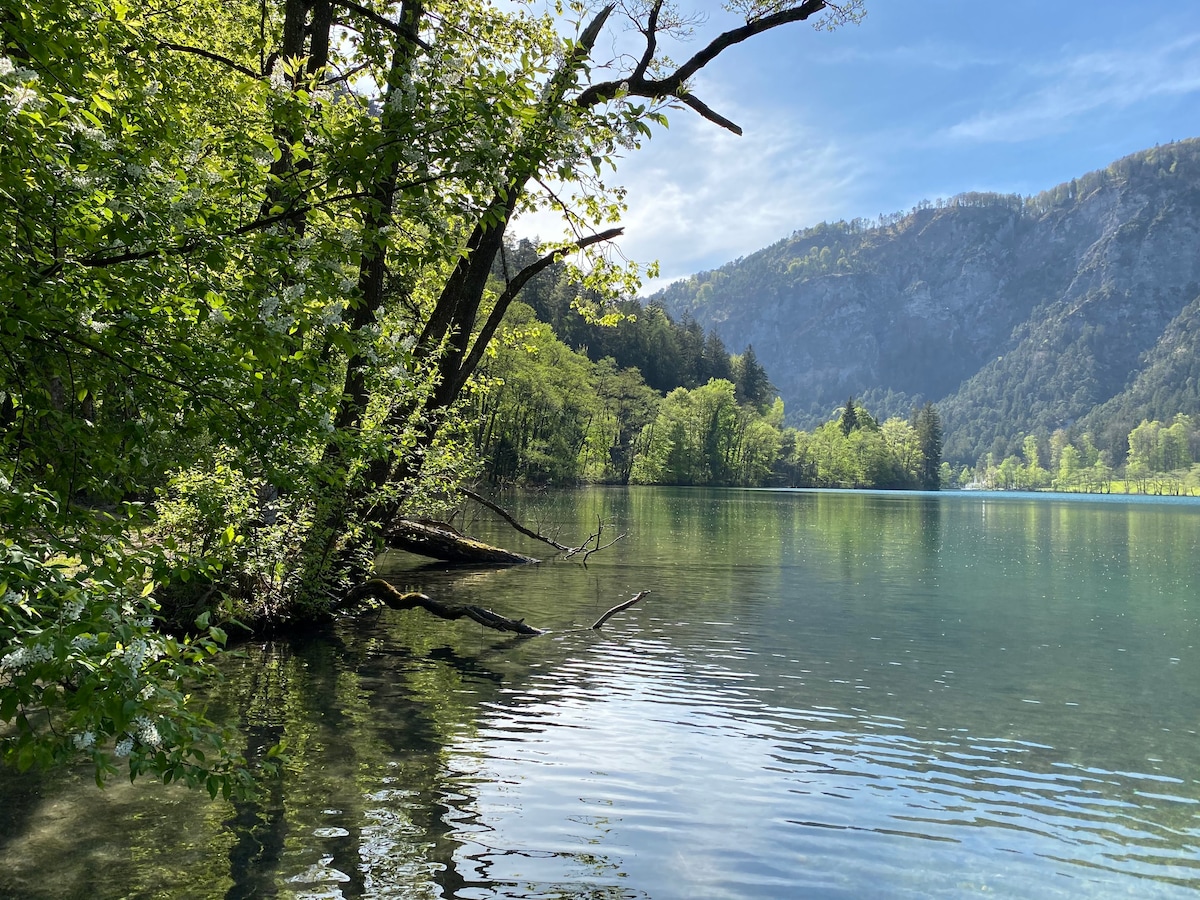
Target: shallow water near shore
{"x": 826, "y": 694}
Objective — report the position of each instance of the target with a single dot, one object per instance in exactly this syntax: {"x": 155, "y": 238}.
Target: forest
{"x": 549, "y": 413}
{"x": 247, "y": 269}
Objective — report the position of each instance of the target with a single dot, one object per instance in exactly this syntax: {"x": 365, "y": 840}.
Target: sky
{"x": 923, "y": 99}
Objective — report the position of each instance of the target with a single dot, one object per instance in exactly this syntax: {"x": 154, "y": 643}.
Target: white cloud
{"x": 700, "y": 196}
{"x": 925, "y": 54}
{"x": 1055, "y": 95}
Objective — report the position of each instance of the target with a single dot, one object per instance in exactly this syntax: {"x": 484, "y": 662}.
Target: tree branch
{"x": 396, "y": 28}
{"x": 378, "y": 589}
{"x": 594, "y": 537}
{"x": 707, "y": 112}
{"x": 208, "y": 54}
{"x": 488, "y": 331}
{"x": 674, "y": 84}
{"x": 507, "y": 517}
{"x": 537, "y": 535}
{"x": 651, "y": 34}
{"x": 618, "y": 608}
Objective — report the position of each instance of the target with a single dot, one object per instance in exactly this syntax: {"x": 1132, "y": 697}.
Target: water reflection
{"x": 825, "y": 695}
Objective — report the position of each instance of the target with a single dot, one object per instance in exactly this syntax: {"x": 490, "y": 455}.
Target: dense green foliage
{"x": 544, "y": 413}
{"x": 555, "y": 409}
{"x": 646, "y": 338}
{"x": 704, "y": 436}
{"x": 245, "y": 270}
{"x": 1162, "y": 459}
{"x": 855, "y": 450}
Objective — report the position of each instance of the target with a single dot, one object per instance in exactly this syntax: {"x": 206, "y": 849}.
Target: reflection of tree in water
{"x": 368, "y": 799}
{"x": 259, "y": 825}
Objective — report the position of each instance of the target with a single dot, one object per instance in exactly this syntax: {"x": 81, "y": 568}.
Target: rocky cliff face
{"x": 1012, "y": 314}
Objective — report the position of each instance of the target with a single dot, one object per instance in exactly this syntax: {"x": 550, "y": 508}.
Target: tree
{"x": 928, "y": 425}
{"x": 1032, "y": 475}
{"x": 753, "y": 385}
{"x": 716, "y": 359}
{"x": 248, "y": 268}
{"x": 1145, "y": 453}
{"x": 1069, "y": 467}
{"x": 849, "y": 418}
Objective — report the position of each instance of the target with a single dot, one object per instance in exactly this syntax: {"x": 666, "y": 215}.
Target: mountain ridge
{"x": 1013, "y": 314}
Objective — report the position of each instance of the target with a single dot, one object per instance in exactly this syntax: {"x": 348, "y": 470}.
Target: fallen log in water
{"x": 389, "y": 596}
{"x": 444, "y": 543}
{"x": 618, "y": 608}
{"x": 378, "y": 589}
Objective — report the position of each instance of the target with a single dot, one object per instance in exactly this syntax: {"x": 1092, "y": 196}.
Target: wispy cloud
{"x": 700, "y": 196}
{"x": 728, "y": 195}
{"x": 926, "y": 54}
{"x": 1051, "y": 97}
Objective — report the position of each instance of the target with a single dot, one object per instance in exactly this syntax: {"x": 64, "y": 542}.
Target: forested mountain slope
{"x": 1013, "y": 314}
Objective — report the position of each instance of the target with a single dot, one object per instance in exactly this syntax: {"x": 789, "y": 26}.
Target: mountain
{"x": 1013, "y": 314}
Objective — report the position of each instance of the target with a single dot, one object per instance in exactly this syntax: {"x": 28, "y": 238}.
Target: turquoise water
{"x": 826, "y": 694}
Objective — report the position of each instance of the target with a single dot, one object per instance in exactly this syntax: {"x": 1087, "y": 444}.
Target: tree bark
{"x": 439, "y": 542}
{"x": 378, "y": 589}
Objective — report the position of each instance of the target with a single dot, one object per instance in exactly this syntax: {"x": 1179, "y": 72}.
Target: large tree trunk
{"x": 439, "y": 541}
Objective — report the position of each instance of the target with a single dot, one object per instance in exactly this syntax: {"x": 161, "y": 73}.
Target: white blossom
{"x": 85, "y": 741}
{"x": 146, "y": 731}
{"x": 124, "y": 746}
{"x": 22, "y": 96}
{"x": 279, "y": 81}
{"x": 6, "y": 66}
{"x": 138, "y": 651}
{"x": 24, "y": 657}
{"x": 268, "y": 308}
{"x": 73, "y": 608}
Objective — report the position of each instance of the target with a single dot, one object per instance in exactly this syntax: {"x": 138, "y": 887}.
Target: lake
{"x": 825, "y": 695}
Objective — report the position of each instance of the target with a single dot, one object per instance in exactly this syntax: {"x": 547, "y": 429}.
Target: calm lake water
{"x": 825, "y": 695}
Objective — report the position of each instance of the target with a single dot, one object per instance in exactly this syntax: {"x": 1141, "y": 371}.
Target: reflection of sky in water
{"x": 825, "y": 695}
{"x": 748, "y": 799}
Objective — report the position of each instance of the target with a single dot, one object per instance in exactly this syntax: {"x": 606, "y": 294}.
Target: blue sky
{"x": 923, "y": 99}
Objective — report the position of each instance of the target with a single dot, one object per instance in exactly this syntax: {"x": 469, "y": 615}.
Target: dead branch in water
{"x": 378, "y": 589}
{"x": 508, "y": 517}
{"x": 389, "y": 596}
{"x": 538, "y": 536}
{"x": 595, "y": 536}
{"x": 618, "y": 608}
